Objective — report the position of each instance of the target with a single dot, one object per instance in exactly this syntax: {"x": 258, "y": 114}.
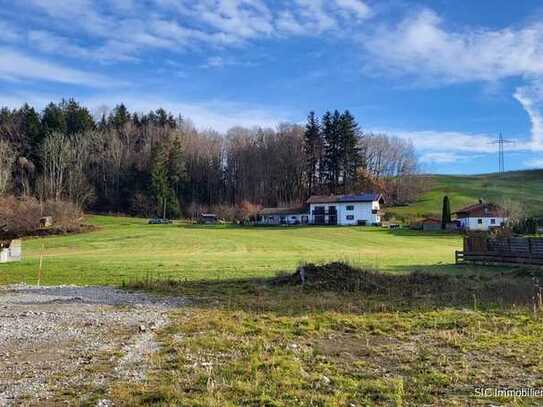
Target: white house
{"x": 481, "y": 216}
{"x": 355, "y": 209}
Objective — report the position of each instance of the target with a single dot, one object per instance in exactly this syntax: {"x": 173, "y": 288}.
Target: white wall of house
{"x": 351, "y": 213}
{"x": 481, "y": 223}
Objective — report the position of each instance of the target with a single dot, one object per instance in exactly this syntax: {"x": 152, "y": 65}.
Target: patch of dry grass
{"x": 255, "y": 342}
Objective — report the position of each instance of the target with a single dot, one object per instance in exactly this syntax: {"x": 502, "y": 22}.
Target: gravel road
{"x": 68, "y": 343}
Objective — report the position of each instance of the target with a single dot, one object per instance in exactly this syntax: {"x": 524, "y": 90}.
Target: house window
{"x": 350, "y": 217}
{"x": 493, "y": 221}
{"x": 374, "y": 211}
{"x": 350, "y": 207}
{"x": 480, "y": 221}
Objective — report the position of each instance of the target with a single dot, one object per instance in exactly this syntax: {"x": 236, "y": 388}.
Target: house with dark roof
{"x": 481, "y": 216}
{"x": 352, "y": 209}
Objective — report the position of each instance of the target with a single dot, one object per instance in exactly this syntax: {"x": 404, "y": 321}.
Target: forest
{"x": 148, "y": 164}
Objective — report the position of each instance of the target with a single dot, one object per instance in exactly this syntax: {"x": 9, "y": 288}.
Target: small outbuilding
{"x": 284, "y": 216}
{"x": 430, "y": 224}
{"x": 208, "y": 219}
{"x": 46, "y": 221}
{"x": 10, "y": 251}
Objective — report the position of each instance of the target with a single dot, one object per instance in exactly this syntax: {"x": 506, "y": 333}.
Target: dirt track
{"x": 71, "y": 343}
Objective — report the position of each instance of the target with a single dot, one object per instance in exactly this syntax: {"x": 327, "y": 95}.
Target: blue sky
{"x": 447, "y": 75}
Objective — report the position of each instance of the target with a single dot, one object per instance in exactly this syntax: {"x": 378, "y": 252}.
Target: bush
{"x": 20, "y": 217}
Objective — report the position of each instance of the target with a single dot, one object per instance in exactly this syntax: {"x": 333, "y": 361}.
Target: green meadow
{"x": 399, "y": 339}
{"x": 523, "y": 187}
{"x": 122, "y": 249}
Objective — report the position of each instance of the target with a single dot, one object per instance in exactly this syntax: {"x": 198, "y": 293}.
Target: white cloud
{"x": 122, "y": 30}
{"x": 531, "y": 99}
{"x": 217, "y": 115}
{"x": 422, "y": 47}
{"x": 534, "y": 163}
{"x": 440, "y": 158}
{"x": 315, "y": 15}
{"x": 214, "y": 62}
{"x": 446, "y": 141}
{"x": 18, "y": 66}
{"x": 453, "y": 146}
{"x": 357, "y": 7}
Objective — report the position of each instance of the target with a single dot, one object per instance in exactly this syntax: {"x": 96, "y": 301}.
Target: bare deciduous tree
{"x": 56, "y": 155}
{"x": 7, "y": 159}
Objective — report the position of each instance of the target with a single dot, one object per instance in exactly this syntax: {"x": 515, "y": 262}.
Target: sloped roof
{"x": 431, "y": 220}
{"x": 481, "y": 210}
{"x": 365, "y": 197}
{"x": 284, "y": 211}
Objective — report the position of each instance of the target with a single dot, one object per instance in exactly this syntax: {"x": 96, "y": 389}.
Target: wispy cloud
{"x": 531, "y": 99}
{"x": 124, "y": 29}
{"x": 357, "y": 7}
{"x": 15, "y": 65}
{"x": 218, "y": 115}
{"x": 441, "y": 158}
{"x": 420, "y": 46}
{"x": 534, "y": 163}
{"x": 442, "y": 147}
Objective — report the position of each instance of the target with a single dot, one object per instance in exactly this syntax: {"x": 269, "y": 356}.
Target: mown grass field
{"x": 126, "y": 248}
{"x": 525, "y": 187}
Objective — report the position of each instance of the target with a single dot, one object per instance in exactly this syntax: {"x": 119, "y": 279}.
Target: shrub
{"x": 22, "y": 216}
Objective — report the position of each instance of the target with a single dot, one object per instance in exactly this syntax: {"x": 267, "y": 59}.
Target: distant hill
{"x": 525, "y": 187}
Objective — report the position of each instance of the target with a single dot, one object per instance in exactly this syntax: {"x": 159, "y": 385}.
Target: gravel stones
{"x": 57, "y": 338}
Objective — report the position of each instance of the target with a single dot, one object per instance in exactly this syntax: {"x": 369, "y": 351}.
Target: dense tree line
{"x": 340, "y": 158}
{"x": 155, "y": 162}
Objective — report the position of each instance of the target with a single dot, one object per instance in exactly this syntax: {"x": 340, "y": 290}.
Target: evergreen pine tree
{"x": 177, "y": 172}
{"x": 333, "y": 149}
{"x": 119, "y": 117}
{"x": 349, "y": 150}
{"x": 78, "y": 118}
{"x": 53, "y": 119}
{"x": 33, "y": 131}
{"x": 160, "y": 184}
{"x": 446, "y": 213}
{"x": 312, "y": 149}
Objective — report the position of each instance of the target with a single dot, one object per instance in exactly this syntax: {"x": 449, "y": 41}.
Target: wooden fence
{"x": 501, "y": 250}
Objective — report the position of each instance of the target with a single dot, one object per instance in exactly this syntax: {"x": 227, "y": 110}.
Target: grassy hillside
{"x": 525, "y": 187}
{"x": 126, "y": 248}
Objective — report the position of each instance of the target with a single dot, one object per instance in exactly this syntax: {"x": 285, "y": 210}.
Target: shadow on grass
{"x": 338, "y": 287}
{"x": 463, "y": 269}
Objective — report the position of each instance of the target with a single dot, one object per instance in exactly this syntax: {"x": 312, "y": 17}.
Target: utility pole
{"x": 501, "y": 152}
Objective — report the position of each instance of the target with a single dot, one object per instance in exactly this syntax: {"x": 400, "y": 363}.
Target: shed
{"x": 46, "y": 221}
{"x": 208, "y": 219}
{"x": 284, "y": 216}
{"x": 431, "y": 224}
{"x": 10, "y": 251}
